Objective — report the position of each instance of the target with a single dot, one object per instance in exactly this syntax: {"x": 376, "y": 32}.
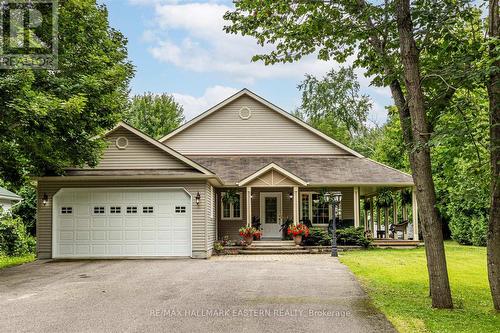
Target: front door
{"x": 270, "y": 214}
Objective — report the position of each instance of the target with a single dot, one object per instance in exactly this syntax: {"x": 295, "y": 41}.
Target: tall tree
{"x": 334, "y": 105}
{"x": 370, "y": 32}
{"x": 420, "y": 159}
{"x": 493, "y": 242}
{"x": 155, "y": 115}
{"x": 50, "y": 118}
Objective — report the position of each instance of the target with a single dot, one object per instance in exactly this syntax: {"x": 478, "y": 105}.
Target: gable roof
{"x": 269, "y": 167}
{"x": 6, "y": 194}
{"x": 161, "y": 146}
{"x": 246, "y": 92}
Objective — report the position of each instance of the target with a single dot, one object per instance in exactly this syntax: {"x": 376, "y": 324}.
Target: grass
{"x": 13, "y": 261}
{"x": 397, "y": 282}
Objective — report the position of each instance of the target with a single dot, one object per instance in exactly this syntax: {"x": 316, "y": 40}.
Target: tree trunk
{"x": 420, "y": 161}
{"x": 493, "y": 242}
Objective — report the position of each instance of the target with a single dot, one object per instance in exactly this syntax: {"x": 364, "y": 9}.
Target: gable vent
{"x": 245, "y": 113}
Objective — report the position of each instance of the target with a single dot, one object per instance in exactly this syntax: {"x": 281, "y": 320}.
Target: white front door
{"x": 270, "y": 214}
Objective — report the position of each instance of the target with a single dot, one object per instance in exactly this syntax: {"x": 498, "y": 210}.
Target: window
{"x": 99, "y": 210}
{"x": 147, "y": 210}
{"x": 66, "y": 210}
{"x": 115, "y": 210}
{"x": 317, "y": 212}
{"x": 231, "y": 210}
{"x": 131, "y": 209}
{"x": 180, "y": 209}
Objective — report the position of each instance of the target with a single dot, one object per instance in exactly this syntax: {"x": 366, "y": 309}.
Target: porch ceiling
{"x": 315, "y": 170}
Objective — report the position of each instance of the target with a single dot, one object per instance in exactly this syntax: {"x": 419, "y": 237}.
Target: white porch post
{"x": 295, "y": 205}
{"x": 365, "y": 214}
{"x": 356, "y": 207}
{"x": 249, "y": 206}
{"x": 414, "y": 212}
{"x": 372, "y": 217}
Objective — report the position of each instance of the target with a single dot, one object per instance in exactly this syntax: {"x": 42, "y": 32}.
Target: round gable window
{"x": 245, "y": 113}
{"x": 121, "y": 142}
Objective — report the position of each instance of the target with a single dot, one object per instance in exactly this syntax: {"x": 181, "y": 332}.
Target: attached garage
{"x": 121, "y": 222}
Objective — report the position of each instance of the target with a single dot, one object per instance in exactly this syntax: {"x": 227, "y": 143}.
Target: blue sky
{"x": 179, "y": 47}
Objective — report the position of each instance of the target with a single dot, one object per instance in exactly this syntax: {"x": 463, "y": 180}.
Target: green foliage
{"x": 353, "y": 236}
{"x": 230, "y": 196}
{"x": 334, "y": 105}
{"x": 14, "y": 239}
{"x": 50, "y": 118}
{"x": 26, "y": 209}
{"x": 155, "y": 115}
{"x": 384, "y": 198}
{"x": 318, "y": 237}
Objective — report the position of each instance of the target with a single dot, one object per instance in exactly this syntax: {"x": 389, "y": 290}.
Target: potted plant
{"x": 298, "y": 231}
{"x": 248, "y": 233}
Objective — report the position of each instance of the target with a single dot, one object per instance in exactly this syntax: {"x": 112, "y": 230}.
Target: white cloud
{"x": 193, "y": 106}
{"x": 190, "y": 35}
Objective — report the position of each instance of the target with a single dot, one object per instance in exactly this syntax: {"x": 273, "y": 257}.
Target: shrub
{"x": 353, "y": 236}
{"x": 14, "y": 239}
{"x": 318, "y": 236}
{"x": 218, "y": 247}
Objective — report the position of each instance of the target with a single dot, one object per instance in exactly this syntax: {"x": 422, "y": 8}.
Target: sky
{"x": 179, "y": 47}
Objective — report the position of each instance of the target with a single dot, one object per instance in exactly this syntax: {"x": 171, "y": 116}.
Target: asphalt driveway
{"x": 305, "y": 293}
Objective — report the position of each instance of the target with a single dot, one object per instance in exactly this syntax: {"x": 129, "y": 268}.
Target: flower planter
{"x": 297, "y": 239}
{"x": 249, "y": 240}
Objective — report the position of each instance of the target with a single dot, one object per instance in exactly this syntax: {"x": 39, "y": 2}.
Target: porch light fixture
{"x": 198, "y": 197}
{"x": 290, "y": 195}
{"x": 45, "y": 199}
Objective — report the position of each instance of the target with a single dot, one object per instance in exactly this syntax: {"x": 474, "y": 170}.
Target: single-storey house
{"x": 162, "y": 198}
{"x": 8, "y": 199}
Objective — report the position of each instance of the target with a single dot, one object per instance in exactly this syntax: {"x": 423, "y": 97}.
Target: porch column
{"x": 414, "y": 212}
{"x": 365, "y": 214}
{"x": 295, "y": 205}
{"x": 249, "y": 206}
{"x": 372, "y": 217}
{"x": 386, "y": 221}
{"x": 356, "y": 207}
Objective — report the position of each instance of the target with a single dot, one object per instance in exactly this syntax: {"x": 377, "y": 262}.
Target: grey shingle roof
{"x": 4, "y": 193}
{"x": 342, "y": 170}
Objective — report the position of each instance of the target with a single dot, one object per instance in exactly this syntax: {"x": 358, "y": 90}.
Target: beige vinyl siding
{"x": 139, "y": 154}
{"x": 265, "y": 132}
{"x": 44, "y": 213}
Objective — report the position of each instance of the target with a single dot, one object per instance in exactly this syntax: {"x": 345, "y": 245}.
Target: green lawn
{"x": 397, "y": 282}
{"x": 13, "y": 261}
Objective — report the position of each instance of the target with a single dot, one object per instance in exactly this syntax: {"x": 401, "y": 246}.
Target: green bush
{"x": 469, "y": 230}
{"x": 317, "y": 236}
{"x": 14, "y": 239}
{"x": 353, "y": 236}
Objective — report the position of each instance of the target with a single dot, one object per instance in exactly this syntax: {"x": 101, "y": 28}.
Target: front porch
{"x": 273, "y": 196}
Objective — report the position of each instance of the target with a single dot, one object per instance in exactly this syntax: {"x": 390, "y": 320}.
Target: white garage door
{"x": 121, "y": 223}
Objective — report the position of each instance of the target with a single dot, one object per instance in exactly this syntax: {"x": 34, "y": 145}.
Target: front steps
{"x": 395, "y": 243}
{"x": 273, "y": 247}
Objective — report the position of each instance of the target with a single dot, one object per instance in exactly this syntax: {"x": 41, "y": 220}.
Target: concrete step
{"x": 274, "y": 248}
{"x": 270, "y": 252}
{"x": 273, "y": 244}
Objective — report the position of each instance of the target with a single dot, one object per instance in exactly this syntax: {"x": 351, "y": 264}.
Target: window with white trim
{"x": 231, "y": 210}
{"x": 99, "y": 210}
{"x": 66, "y": 210}
{"x": 131, "y": 209}
{"x": 180, "y": 209}
{"x": 317, "y": 212}
{"x": 115, "y": 210}
{"x": 147, "y": 210}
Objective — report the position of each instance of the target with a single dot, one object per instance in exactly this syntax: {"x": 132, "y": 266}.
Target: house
{"x": 8, "y": 199}
{"x": 163, "y": 198}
